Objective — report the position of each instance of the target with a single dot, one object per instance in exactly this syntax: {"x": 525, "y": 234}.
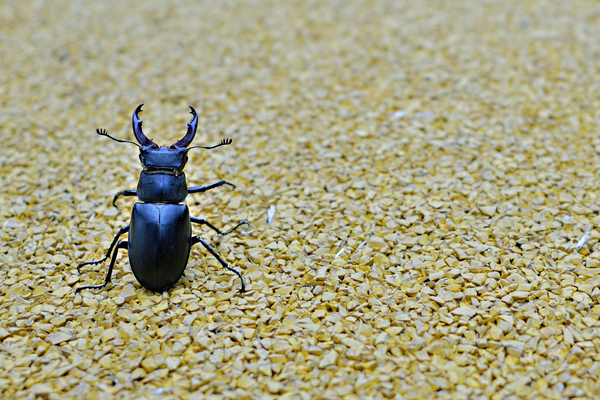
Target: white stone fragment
{"x": 339, "y": 253}
{"x": 271, "y": 214}
{"x": 399, "y": 114}
{"x": 582, "y": 241}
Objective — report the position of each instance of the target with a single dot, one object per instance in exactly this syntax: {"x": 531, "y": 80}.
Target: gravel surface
{"x": 420, "y": 179}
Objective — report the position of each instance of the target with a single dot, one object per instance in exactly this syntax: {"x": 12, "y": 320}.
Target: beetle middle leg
{"x": 123, "y": 193}
{"x": 204, "y": 188}
{"x": 197, "y": 239}
{"x": 202, "y": 221}
{"x": 123, "y": 230}
{"x": 122, "y": 245}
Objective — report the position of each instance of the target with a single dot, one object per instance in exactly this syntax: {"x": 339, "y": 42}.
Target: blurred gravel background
{"x": 432, "y": 168}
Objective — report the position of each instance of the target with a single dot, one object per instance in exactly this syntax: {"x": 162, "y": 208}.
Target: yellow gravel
{"x": 421, "y": 179}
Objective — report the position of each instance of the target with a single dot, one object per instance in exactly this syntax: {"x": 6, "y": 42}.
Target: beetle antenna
{"x": 102, "y": 132}
{"x": 224, "y": 142}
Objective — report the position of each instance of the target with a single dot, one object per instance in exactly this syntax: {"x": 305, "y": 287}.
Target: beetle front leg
{"x": 202, "y": 221}
{"x": 122, "y": 245}
{"x": 200, "y": 189}
{"x": 197, "y": 239}
{"x": 123, "y": 230}
{"x": 123, "y": 193}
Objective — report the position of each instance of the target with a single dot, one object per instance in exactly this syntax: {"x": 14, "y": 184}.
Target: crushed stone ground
{"x": 421, "y": 179}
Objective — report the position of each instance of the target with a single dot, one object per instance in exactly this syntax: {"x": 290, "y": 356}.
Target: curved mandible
{"x": 137, "y": 129}
{"x": 191, "y": 131}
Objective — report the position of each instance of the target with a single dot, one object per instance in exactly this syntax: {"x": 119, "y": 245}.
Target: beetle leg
{"x": 200, "y": 189}
{"x": 202, "y": 221}
{"x": 123, "y": 193}
{"x": 123, "y": 230}
{"x": 197, "y": 239}
{"x": 122, "y": 245}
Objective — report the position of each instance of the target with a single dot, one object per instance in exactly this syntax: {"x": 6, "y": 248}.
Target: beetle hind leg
{"x": 90, "y": 263}
{"x": 197, "y": 239}
{"x": 123, "y": 230}
{"x": 122, "y": 245}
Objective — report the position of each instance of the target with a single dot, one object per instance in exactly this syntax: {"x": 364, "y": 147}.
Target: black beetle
{"x": 160, "y": 232}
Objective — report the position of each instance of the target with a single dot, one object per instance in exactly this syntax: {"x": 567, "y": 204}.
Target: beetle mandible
{"x": 160, "y": 230}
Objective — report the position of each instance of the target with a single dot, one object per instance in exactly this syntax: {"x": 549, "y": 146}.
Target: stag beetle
{"x": 160, "y": 231}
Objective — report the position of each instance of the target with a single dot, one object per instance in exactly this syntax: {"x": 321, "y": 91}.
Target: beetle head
{"x": 162, "y": 158}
